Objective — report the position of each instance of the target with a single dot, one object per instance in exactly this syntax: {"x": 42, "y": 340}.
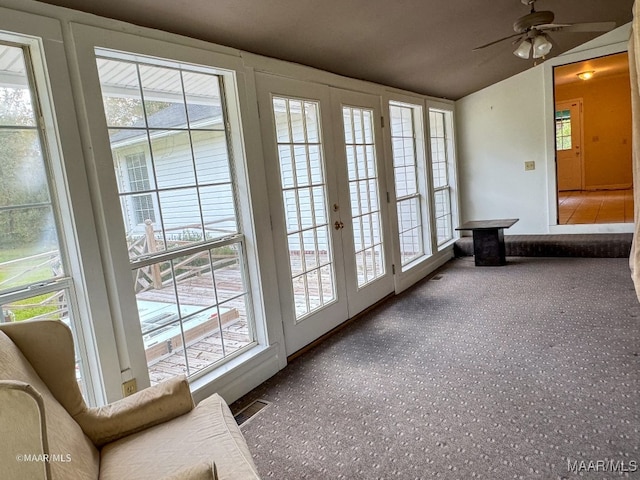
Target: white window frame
{"x": 78, "y": 241}
{"x": 422, "y": 180}
{"x": 438, "y": 255}
{"x": 131, "y": 361}
{"x": 452, "y": 182}
{"x": 235, "y": 239}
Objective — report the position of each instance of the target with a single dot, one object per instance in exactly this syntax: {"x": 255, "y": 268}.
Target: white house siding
{"x": 176, "y": 165}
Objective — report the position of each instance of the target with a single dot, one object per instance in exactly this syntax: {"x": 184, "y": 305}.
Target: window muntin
{"x": 441, "y": 149}
{"x": 304, "y": 195}
{"x": 35, "y": 279}
{"x": 363, "y": 190}
{"x": 410, "y": 196}
{"x": 188, "y": 255}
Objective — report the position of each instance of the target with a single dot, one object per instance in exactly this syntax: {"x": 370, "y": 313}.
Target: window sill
{"x": 238, "y": 376}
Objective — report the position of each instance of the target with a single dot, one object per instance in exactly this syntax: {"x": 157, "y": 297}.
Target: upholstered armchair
{"x": 48, "y": 432}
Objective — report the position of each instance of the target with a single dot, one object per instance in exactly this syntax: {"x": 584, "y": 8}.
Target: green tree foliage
{"x": 23, "y": 179}
{"x": 127, "y": 112}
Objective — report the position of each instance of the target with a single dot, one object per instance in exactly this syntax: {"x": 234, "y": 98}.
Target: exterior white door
{"x": 327, "y": 218}
{"x": 569, "y": 145}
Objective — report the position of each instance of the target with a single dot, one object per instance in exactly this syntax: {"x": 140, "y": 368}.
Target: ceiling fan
{"x": 531, "y": 32}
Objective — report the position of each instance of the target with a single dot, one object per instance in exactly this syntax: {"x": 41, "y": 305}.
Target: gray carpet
{"x": 528, "y": 371}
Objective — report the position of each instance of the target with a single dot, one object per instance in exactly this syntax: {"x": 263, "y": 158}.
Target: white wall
{"x": 499, "y": 128}
{"x": 504, "y": 125}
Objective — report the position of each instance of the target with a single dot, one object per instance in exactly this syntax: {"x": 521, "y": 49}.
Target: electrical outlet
{"x": 529, "y": 166}
{"x": 129, "y": 387}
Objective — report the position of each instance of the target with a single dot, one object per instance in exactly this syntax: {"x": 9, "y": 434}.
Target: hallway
{"x": 598, "y": 206}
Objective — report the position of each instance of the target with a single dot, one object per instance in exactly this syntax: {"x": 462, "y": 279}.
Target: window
{"x": 173, "y": 161}
{"x": 410, "y": 183}
{"x": 563, "y": 130}
{"x": 35, "y": 276}
{"x": 441, "y": 127}
{"x": 138, "y": 176}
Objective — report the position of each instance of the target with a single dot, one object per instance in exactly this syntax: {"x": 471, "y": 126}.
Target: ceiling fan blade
{"x": 497, "y": 41}
{"x": 584, "y": 27}
{"x": 551, "y": 26}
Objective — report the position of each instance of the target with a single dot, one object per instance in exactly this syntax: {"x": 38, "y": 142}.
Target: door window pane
{"x": 305, "y": 203}
{"x": 363, "y": 190}
{"x": 563, "y": 130}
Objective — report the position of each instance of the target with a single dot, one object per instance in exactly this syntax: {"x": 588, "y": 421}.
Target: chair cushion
{"x": 208, "y": 433}
{"x": 75, "y": 456}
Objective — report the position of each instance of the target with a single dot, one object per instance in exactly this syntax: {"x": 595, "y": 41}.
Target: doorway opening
{"x": 593, "y": 141}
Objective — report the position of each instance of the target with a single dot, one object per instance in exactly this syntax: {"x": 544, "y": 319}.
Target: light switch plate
{"x": 529, "y": 166}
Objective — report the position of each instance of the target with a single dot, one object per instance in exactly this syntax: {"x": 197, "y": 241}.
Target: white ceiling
{"x": 420, "y": 45}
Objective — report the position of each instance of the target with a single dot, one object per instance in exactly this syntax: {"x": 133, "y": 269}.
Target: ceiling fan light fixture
{"x": 524, "y": 49}
{"x": 541, "y": 45}
{"x": 586, "y": 75}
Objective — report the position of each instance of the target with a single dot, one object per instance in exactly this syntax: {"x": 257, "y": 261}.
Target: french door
{"x": 326, "y": 189}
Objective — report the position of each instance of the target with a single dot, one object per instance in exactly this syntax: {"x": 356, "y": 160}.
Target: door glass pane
{"x": 363, "y": 191}
{"x": 563, "y": 130}
{"x": 305, "y": 203}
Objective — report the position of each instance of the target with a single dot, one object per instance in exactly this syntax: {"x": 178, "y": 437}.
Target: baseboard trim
{"x": 617, "y": 186}
{"x": 407, "y": 279}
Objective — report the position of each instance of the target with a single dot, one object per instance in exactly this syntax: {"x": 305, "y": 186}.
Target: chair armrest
{"x": 146, "y": 408}
{"x": 24, "y": 431}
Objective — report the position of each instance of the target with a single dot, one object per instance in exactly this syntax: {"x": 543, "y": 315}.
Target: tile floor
{"x": 598, "y": 206}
